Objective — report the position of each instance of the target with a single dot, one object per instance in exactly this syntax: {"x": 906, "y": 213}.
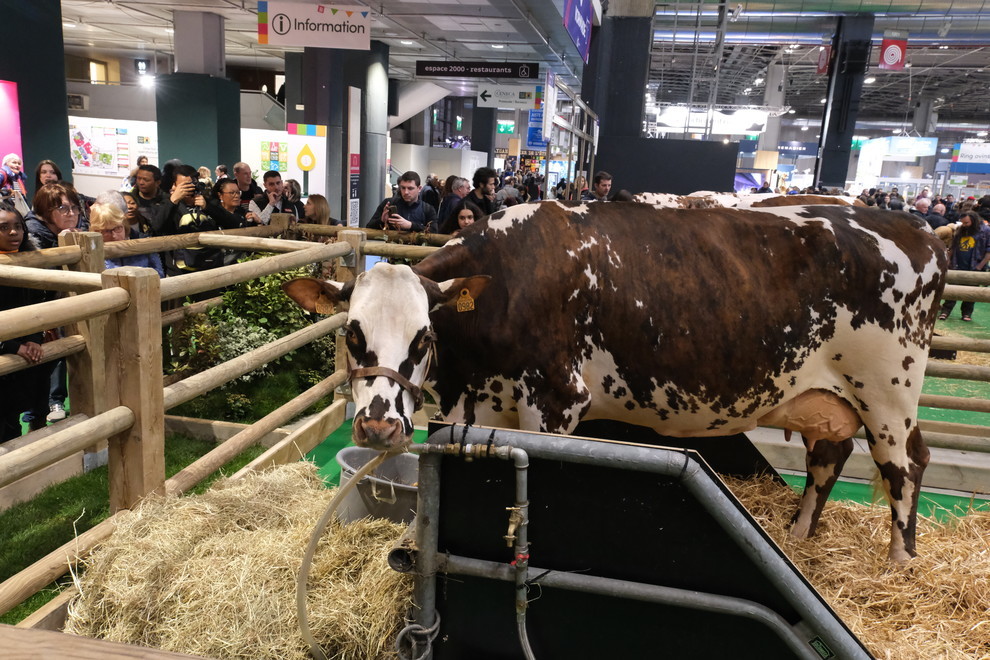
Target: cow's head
{"x": 389, "y": 340}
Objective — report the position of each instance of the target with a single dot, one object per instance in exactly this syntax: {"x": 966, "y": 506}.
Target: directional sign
{"x": 523, "y": 97}
{"x": 529, "y": 70}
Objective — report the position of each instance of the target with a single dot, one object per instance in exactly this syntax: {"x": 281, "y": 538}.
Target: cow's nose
{"x": 379, "y": 434}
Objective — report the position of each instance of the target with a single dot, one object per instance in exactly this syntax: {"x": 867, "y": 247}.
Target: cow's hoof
{"x": 899, "y": 556}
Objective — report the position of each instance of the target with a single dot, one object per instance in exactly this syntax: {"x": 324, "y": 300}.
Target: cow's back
{"x": 665, "y": 313}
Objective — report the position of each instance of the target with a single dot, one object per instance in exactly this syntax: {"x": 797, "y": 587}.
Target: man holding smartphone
{"x": 405, "y": 212}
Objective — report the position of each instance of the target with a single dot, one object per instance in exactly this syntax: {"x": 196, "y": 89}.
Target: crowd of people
{"x": 175, "y": 199}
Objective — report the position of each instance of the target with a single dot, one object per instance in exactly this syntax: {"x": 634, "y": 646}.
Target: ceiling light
{"x": 498, "y": 45}
{"x": 68, "y": 25}
{"x": 747, "y": 90}
{"x": 823, "y": 101}
{"x": 804, "y": 128}
{"x": 943, "y": 151}
{"x": 870, "y": 80}
{"x": 758, "y": 81}
{"x": 405, "y": 42}
{"x": 943, "y": 48}
{"x": 791, "y": 112}
{"x": 981, "y": 134}
{"x": 147, "y": 81}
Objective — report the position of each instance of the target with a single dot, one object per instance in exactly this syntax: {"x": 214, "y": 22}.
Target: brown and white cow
{"x": 692, "y": 322}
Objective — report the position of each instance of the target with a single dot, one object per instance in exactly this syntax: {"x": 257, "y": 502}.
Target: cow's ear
{"x": 462, "y": 292}
{"x": 316, "y": 295}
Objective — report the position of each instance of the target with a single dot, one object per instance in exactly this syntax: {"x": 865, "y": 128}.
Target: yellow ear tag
{"x": 465, "y": 303}
{"x": 324, "y": 306}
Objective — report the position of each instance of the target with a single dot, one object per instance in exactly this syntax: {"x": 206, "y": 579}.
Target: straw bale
{"x": 937, "y": 606}
{"x": 214, "y": 575}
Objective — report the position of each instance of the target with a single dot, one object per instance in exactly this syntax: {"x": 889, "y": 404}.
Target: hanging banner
{"x": 824, "y": 55}
{"x": 577, "y": 22}
{"x": 320, "y": 26}
{"x": 893, "y": 50}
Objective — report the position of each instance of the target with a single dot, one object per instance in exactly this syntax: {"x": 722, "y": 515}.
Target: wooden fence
{"x": 113, "y": 345}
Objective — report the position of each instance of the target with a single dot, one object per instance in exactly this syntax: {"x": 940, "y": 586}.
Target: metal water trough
{"x": 632, "y": 552}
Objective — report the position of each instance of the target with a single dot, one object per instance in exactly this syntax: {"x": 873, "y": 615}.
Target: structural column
{"x": 850, "y": 58}
{"x": 35, "y": 60}
{"x": 198, "y": 110}
{"x": 614, "y": 80}
{"x": 773, "y": 95}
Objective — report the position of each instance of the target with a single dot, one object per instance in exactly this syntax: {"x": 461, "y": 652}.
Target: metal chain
{"x": 415, "y": 629}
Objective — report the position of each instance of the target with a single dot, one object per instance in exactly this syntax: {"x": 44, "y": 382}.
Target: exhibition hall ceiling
{"x": 702, "y": 51}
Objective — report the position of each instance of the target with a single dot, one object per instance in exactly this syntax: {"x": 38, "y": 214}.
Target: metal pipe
{"x": 747, "y": 609}
{"x": 427, "y": 538}
{"x": 404, "y": 553}
{"x": 680, "y": 465}
{"x": 521, "y": 550}
{"x": 517, "y": 536}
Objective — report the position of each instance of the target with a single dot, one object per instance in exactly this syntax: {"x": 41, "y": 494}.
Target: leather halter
{"x": 395, "y": 377}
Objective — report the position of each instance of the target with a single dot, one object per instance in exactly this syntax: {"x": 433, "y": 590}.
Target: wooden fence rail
{"x": 414, "y": 238}
{"x": 53, "y": 350}
{"x": 195, "y": 472}
{"x": 49, "y": 280}
{"x": 50, "y": 258}
{"x": 37, "y": 455}
{"x": 187, "y": 285}
{"x": 25, "y": 320}
{"x": 173, "y": 316}
{"x": 116, "y": 249}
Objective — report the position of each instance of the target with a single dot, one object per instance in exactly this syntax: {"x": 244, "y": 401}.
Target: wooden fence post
{"x": 134, "y": 359}
{"x": 89, "y": 389}
{"x": 348, "y": 268}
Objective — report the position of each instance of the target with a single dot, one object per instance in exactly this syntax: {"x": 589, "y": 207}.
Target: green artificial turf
{"x": 940, "y": 506}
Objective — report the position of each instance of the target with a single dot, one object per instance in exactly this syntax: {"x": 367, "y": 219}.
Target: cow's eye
{"x": 349, "y": 335}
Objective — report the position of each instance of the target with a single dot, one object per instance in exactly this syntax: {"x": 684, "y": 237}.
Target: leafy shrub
{"x": 240, "y": 337}
{"x": 195, "y": 346}
{"x": 262, "y": 303}
{"x": 238, "y": 406}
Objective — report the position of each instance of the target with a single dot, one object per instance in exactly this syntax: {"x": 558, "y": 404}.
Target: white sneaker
{"x": 57, "y": 412}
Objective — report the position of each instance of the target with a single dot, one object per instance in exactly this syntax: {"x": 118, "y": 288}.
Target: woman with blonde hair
{"x": 111, "y": 221}
{"x": 318, "y": 211}
{"x": 204, "y": 176}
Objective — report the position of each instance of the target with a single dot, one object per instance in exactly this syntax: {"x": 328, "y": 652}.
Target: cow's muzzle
{"x": 380, "y": 434}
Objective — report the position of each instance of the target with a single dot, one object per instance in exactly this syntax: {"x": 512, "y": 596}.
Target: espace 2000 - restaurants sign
{"x": 320, "y": 26}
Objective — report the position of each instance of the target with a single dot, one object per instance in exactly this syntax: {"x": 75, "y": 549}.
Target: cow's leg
{"x": 901, "y": 457}
{"x": 824, "y": 461}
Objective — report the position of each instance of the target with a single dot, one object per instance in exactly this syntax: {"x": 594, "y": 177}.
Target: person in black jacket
{"x": 187, "y": 214}
{"x": 28, "y": 389}
{"x": 405, "y": 211}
